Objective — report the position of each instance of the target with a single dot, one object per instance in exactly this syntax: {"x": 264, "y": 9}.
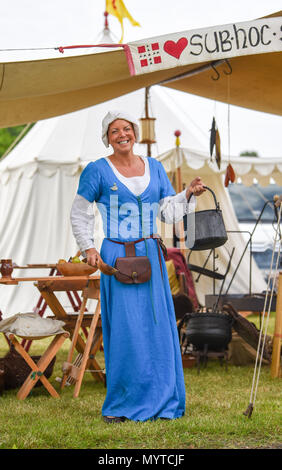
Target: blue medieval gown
{"x": 142, "y": 353}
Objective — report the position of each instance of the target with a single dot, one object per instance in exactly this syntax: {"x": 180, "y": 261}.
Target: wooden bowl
{"x": 75, "y": 269}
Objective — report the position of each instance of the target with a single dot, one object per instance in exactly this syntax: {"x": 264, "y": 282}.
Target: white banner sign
{"x": 208, "y": 44}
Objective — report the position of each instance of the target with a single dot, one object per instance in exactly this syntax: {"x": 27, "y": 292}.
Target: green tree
{"x": 7, "y": 137}
{"x": 249, "y": 153}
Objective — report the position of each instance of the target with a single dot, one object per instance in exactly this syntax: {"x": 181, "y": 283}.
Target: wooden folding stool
{"x": 37, "y": 370}
{"x": 74, "y": 372}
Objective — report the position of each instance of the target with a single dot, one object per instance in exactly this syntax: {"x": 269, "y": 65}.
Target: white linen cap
{"x": 110, "y": 117}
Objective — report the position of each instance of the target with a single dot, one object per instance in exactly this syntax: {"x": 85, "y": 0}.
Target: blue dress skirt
{"x": 142, "y": 353}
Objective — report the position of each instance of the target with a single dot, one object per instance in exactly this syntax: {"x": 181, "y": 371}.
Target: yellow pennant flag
{"x": 117, "y": 8}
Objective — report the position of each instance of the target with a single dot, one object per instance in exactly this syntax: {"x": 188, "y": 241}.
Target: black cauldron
{"x": 206, "y": 228}
{"x": 211, "y": 331}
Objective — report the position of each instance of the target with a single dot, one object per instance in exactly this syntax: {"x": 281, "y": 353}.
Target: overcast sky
{"x": 28, "y": 24}
{"x": 32, "y": 23}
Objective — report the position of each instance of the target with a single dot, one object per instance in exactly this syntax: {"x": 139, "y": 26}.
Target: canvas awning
{"x": 39, "y": 89}
{"x": 246, "y": 168}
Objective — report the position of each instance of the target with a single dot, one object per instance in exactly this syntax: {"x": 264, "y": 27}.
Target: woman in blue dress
{"x": 141, "y": 346}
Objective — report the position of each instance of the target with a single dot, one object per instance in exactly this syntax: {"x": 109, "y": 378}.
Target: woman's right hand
{"x": 93, "y": 257}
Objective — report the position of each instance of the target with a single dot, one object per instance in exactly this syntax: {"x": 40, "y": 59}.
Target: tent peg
{"x": 249, "y": 410}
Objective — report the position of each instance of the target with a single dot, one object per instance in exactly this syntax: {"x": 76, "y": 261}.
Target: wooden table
{"x": 48, "y": 287}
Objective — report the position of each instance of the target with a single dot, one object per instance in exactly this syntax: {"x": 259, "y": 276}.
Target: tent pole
{"x": 149, "y": 153}
{"x": 179, "y": 188}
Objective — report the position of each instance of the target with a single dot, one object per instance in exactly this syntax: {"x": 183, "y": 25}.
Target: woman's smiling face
{"x": 121, "y": 135}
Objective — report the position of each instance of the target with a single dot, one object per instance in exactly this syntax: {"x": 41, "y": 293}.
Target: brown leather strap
{"x": 123, "y": 243}
{"x": 129, "y": 249}
{"x": 154, "y": 235}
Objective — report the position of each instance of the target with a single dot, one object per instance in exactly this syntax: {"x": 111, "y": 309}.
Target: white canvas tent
{"x": 39, "y": 180}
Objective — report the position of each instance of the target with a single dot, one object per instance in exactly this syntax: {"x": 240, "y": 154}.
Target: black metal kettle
{"x": 205, "y": 229}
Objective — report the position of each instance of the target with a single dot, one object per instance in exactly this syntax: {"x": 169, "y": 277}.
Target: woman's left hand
{"x": 196, "y": 187}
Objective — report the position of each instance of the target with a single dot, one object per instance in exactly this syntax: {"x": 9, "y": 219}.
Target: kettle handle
{"x": 214, "y": 197}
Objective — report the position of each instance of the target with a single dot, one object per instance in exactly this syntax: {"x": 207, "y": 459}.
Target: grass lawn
{"x": 216, "y": 400}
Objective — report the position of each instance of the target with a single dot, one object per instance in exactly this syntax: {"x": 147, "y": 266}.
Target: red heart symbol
{"x": 175, "y": 48}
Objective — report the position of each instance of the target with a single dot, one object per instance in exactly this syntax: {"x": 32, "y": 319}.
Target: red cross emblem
{"x": 149, "y": 54}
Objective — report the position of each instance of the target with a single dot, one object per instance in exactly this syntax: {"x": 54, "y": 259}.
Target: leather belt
{"x": 130, "y": 250}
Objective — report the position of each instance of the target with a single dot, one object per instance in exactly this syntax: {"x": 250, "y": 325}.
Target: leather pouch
{"x": 132, "y": 269}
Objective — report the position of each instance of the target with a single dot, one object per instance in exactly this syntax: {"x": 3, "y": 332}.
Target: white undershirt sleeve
{"x": 172, "y": 209}
{"x": 82, "y": 222}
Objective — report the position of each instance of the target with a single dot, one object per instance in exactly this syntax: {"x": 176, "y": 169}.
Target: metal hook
{"x": 216, "y": 71}
{"x": 229, "y": 72}
{"x": 229, "y": 66}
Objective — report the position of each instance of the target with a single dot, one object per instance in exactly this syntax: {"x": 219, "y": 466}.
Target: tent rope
{"x": 248, "y": 204}
{"x": 260, "y": 193}
{"x": 260, "y": 348}
{"x": 275, "y": 209}
{"x": 184, "y": 111}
